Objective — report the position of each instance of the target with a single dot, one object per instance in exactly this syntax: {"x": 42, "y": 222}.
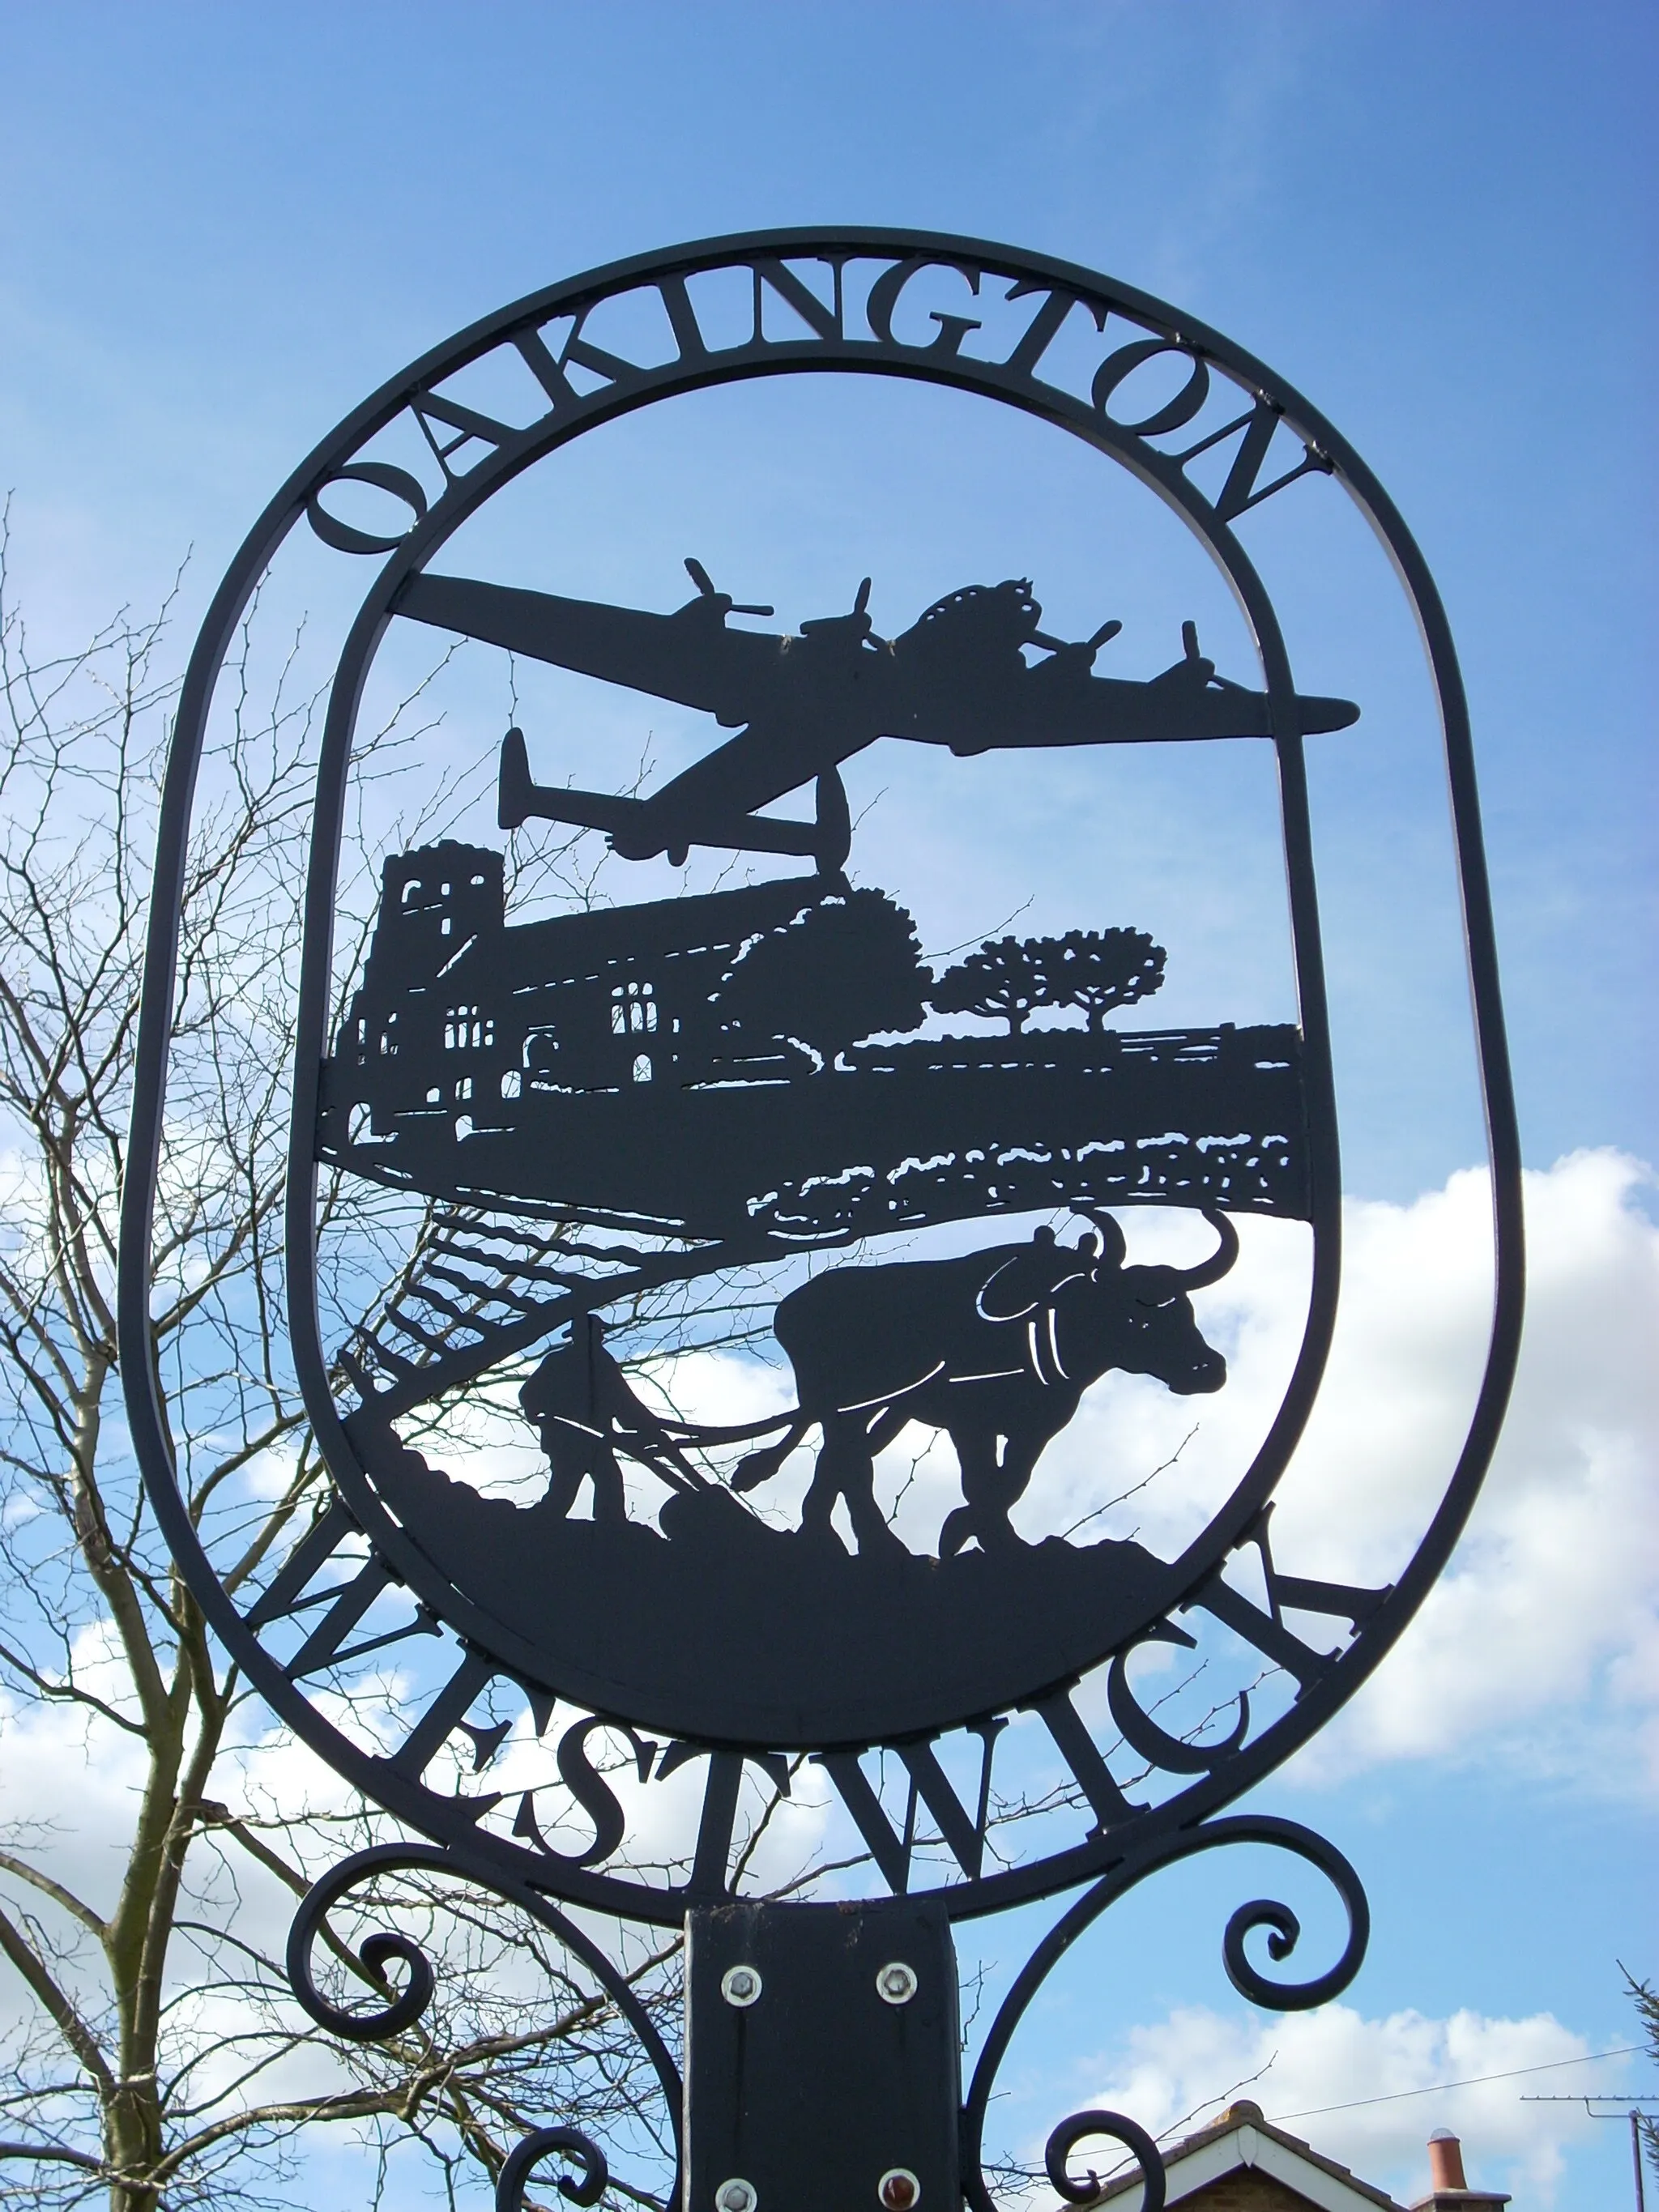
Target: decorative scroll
{"x": 1280, "y": 1997}
{"x": 563, "y": 2144}
{"x": 382, "y": 1948}
{"x": 1079, "y": 2129}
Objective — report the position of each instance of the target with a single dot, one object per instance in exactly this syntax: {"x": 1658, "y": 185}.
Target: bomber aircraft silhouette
{"x": 802, "y": 705}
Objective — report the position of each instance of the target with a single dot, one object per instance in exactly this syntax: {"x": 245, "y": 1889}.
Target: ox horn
{"x": 1213, "y": 1269}
{"x": 1114, "y": 1246}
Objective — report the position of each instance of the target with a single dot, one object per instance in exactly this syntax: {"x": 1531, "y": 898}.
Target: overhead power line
{"x": 1433, "y": 2089}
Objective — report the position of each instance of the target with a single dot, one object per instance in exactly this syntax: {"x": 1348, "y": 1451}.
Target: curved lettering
{"x": 884, "y": 300}
{"x": 590, "y": 1792}
{"x": 345, "y": 537}
{"x": 1173, "y": 412}
{"x": 1142, "y": 1733}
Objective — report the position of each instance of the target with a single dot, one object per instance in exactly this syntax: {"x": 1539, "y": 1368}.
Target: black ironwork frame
{"x": 401, "y": 2010}
{"x": 1119, "y": 1855}
{"x": 382, "y": 1948}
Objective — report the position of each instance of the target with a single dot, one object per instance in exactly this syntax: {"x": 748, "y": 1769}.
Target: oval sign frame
{"x": 615, "y": 386}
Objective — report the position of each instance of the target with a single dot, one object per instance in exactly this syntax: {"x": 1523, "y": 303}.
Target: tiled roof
{"x": 1242, "y": 2138}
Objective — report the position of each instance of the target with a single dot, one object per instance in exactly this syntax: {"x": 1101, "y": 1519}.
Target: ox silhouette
{"x": 995, "y": 1348}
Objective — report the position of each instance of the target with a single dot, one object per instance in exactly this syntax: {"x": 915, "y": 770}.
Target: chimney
{"x": 1445, "y": 2161}
{"x": 1448, "y": 2190}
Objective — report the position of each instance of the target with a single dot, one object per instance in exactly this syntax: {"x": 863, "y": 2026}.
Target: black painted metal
{"x": 821, "y": 2054}
{"x": 547, "y": 2143}
{"x": 372, "y": 1472}
{"x": 807, "y": 703}
{"x": 385, "y": 1947}
{"x": 572, "y": 1192}
{"x": 1082, "y": 2189}
{"x": 1133, "y": 1868}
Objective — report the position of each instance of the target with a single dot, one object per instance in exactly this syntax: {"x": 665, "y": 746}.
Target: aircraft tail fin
{"x": 638, "y": 832}
{"x": 519, "y": 797}
{"x": 514, "y": 792}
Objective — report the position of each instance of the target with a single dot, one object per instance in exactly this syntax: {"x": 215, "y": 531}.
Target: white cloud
{"x": 1539, "y": 1644}
{"x": 1300, "y": 2066}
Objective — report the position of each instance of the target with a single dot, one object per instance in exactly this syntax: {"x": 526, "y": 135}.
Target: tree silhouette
{"x": 1100, "y": 969}
{"x": 1004, "y": 978}
{"x": 847, "y": 968}
{"x": 1010, "y": 977}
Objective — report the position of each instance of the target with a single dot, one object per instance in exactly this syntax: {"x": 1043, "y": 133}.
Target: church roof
{"x": 564, "y": 944}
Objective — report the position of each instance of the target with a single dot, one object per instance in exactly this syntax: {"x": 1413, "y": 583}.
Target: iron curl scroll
{"x": 377, "y": 1952}
{"x": 1279, "y": 1997}
{"x": 569, "y": 2143}
{"x": 1081, "y": 2125}
{"x": 384, "y": 1946}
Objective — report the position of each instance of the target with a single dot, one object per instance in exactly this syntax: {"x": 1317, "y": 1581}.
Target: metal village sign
{"x": 594, "y": 1107}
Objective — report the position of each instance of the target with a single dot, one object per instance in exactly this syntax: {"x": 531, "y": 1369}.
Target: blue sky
{"x": 221, "y": 227}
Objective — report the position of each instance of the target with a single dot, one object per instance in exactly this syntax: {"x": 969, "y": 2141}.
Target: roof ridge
{"x": 1234, "y": 2121}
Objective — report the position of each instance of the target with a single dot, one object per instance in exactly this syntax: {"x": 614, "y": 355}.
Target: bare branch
{"x": 50, "y": 1995}
{"x": 38, "y": 1879}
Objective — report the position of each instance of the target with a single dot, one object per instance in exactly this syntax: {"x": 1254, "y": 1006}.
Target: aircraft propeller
{"x": 705, "y": 583}
{"x": 1066, "y": 649}
{"x": 858, "y": 621}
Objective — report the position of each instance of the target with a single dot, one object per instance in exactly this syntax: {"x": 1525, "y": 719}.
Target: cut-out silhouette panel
{"x": 613, "y": 1103}
{"x": 734, "y": 1066}
{"x": 995, "y": 1348}
{"x": 803, "y": 704}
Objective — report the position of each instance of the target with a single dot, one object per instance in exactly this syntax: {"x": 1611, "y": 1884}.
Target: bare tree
{"x": 156, "y": 2057}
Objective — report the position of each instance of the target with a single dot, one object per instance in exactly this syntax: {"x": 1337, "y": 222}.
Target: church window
{"x": 468, "y": 1029}
{"x": 634, "y": 1010}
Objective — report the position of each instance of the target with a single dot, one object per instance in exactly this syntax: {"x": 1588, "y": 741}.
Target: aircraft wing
{"x": 1097, "y": 710}
{"x": 690, "y": 656}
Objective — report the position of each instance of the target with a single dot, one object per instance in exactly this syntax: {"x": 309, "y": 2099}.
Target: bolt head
{"x": 735, "y": 2196}
{"x": 898, "y": 2189}
{"x": 896, "y": 1984}
{"x": 740, "y": 1985}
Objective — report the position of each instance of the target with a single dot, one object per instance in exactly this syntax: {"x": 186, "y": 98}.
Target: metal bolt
{"x": 896, "y": 1984}
{"x": 898, "y": 2188}
{"x": 736, "y": 2196}
{"x": 740, "y": 1985}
